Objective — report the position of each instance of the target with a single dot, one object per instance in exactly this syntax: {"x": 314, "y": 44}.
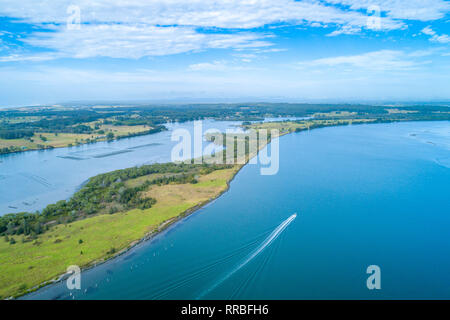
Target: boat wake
{"x": 267, "y": 242}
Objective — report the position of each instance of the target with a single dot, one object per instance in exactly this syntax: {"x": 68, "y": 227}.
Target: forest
{"x": 103, "y": 194}
{"x": 23, "y": 123}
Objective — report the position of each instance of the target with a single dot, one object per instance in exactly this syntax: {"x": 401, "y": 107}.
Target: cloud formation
{"x": 242, "y": 14}
{"x": 422, "y": 10}
{"x": 434, "y": 37}
{"x": 137, "y": 41}
{"x": 381, "y": 60}
{"x": 136, "y": 28}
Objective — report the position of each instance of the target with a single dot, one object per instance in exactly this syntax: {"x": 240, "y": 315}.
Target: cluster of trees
{"x": 105, "y": 193}
{"x": 50, "y": 120}
{"x": 81, "y": 128}
{"x": 59, "y": 121}
{"x": 14, "y": 124}
{"x": 74, "y": 121}
{"x": 173, "y": 172}
{"x": 159, "y": 128}
{"x": 11, "y": 149}
{"x": 22, "y": 223}
{"x": 15, "y": 134}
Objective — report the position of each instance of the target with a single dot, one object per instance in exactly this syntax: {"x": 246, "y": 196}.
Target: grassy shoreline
{"x": 165, "y": 220}
{"x": 158, "y": 230}
{"x": 143, "y": 225}
{"x": 67, "y": 140}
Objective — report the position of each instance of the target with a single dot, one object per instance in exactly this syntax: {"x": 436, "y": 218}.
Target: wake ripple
{"x": 272, "y": 237}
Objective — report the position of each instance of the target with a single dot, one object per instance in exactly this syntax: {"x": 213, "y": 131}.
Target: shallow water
{"x": 364, "y": 195}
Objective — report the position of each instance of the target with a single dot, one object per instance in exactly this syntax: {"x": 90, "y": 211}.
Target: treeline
{"x": 156, "y": 129}
{"x": 106, "y": 179}
{"x": 103, "y": 194}
{"x": 74, "y": 121}
{"x": 11, "y": 149}
{"x": 15, "y": 134}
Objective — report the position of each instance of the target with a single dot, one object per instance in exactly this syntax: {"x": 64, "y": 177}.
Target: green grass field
{"x": 290, "y": 126}
{"x": 26, "y": 265}
{"x": 66, "y": 139}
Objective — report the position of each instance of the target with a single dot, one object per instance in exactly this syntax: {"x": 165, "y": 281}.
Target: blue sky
{"x": 311, "y": 50}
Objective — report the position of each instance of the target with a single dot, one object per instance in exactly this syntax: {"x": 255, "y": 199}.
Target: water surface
{"x": 31, "y": 180}
{"x": 365, "y": 195}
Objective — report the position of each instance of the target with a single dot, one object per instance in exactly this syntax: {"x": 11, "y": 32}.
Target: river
{"x": 31, "y": 180}
{"x": 364, "y": 195}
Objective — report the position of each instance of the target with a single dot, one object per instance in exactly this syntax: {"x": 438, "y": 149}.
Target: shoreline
{"x": 139, "y": 134}
{"x": 170, "y": 222}
{"x": 164, "y": 226}
{"x": 143, "y": 133}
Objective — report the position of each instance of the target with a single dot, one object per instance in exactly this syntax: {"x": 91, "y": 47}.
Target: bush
{"x": 113, "y": 210}
{"x": 110, "y": 136}
{"x": 22, "y": 287}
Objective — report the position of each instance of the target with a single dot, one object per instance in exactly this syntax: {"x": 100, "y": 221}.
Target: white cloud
{"x": 221, "y": 66}
{"x": 434, "y": 37}
{"x": 135, "y": 28}
{"x": 201, "y": 13}
{"x": 133, "y": 41}
{"x": 209, "y": 66}
{"x": 428, "y": 31}
{"x": 29, "y": 57}
{"x": 345, "y": 30}
{"x": 246, "y": 57}
{"x": 422, "y": 10}
{"x": 382, "y": 60}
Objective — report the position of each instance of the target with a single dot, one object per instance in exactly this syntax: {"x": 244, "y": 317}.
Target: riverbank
{"x": 48, "y": 141}
{"x": 166, "y": 195}
{"x": 103, "y": 236}
{"x": 27, "y": 266}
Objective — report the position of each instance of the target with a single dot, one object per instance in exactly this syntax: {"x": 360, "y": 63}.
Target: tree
{"x": 10, "y": 228}
{"x": 110, "y": 136}
{"x": 38, "y": 228}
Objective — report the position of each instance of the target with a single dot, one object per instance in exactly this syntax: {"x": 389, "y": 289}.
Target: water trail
{"x": 262, "y": 265}
{"x": 252, "y": 255}
{"x": 247, "y": 282}
{"x": 200, "y": 272}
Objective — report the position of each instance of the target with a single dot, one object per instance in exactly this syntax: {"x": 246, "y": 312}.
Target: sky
{"x": 250, "y": 50}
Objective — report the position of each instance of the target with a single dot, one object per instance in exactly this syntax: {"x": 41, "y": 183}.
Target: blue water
{"x": 31, "y": 180}
{"x": 364, "y": 195}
